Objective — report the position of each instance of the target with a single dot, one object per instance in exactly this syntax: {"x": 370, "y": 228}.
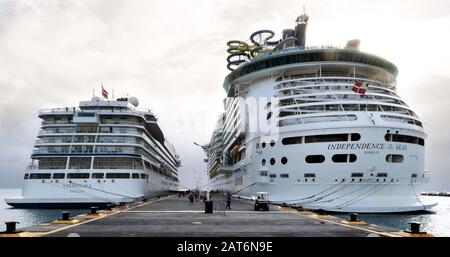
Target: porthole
{"x": 272, "y": 161}
{"x": 269, "y": 115}
{"x": 263, "y": 162}
{"x": 263, "y": 144}
{"x": 284, "y": 160}
{"x": 272, "y": 143}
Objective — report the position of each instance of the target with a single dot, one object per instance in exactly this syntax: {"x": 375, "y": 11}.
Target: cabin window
{"x": 77, "y": 175}
{"x": 291, "y": 140}
{"x": 40, "y": 175}
{"x": 135, "y": 175}
{"x": 59, "y": 175}
{"x": 310, "y": 175}
{"x": 394, "y": 158}
{"x": 341, "y": 158}
{"x": 118, "y": 175}
{"x": 284, "y": 175}
{"x": 98, "y": 175}
{"x": 357, "y": 175}
{"x": 315, "y": 159}
{"x": 26, "y": 176}
{"x": 404, "y": 139}
{"x": 355, "y": 137}
{"x": 326, "y": 138}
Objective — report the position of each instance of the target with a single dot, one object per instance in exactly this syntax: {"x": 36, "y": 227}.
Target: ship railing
{"x": 325, "y": 80}
{"x": 298, "y": 48}
{"x": 58, "y": 110}
{"x": 57, "y": 122}
{"x": 123, "y": 123}
{"x": 40, "y": 141}
{"x": 71, "y": 110}
{"x": 118, "y": 151}
{"x": 45, "y": 132}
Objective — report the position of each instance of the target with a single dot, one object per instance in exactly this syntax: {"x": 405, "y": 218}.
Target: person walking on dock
{"x": 228, "y": 201}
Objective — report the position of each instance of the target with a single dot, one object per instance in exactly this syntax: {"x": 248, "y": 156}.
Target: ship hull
{"x": 86, "y": 193}
{"x": 369, "y": 184}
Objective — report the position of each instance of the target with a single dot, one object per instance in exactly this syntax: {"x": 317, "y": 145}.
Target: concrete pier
{"x": 173, "y": 216}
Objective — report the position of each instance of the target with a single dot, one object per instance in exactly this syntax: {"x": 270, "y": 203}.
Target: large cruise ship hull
{"x": 369, "y": 184}
{"x": 86, "y": 193}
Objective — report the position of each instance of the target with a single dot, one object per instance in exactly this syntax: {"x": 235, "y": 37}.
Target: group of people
{"x": 196, "y": 194}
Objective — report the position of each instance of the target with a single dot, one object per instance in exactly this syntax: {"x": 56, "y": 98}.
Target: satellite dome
{"x": 96, "y": 99}
{"x": 134, "y": 101}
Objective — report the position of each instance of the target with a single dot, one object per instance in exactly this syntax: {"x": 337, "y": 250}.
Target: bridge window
{"x": 315, "y": 159}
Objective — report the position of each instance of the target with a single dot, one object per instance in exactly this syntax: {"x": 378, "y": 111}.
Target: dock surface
{"x": 174, "y": 216}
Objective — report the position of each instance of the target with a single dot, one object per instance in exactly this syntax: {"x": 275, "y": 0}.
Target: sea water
{"x": 26, "y": 217}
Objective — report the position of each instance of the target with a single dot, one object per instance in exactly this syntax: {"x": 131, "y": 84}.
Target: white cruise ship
{"x": 316, "y": 127}
{"x": 104, "y": 152}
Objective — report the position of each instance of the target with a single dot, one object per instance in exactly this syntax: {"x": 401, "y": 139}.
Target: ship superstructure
{"x": 103, "y": 152}
{"x": 317, "y": 127}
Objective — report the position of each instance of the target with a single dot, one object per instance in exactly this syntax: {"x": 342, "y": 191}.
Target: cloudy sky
{"x": 171, "y": 55}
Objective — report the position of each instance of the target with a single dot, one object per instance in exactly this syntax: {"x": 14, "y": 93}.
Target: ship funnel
{"x": 353, "y": 44}
{"x": 300, "y": 29}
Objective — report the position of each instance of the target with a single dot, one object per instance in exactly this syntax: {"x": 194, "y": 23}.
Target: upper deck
{"x": 308, "y": 55}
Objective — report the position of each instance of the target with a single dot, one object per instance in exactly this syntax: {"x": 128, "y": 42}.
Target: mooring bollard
{"x": 11, "y": 227}
{"x": 353, "y": 216}
{"x": 209, "y": 206}
{"x": 321, "y": 212}
{"x": 94, "y": 210}
{"x": 415, "y": 227}
{"x": 65, "y": 215}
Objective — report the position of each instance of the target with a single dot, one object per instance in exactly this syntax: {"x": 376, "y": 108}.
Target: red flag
{"x": 104, "y": 93}
{"x": 359, "y": 88}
